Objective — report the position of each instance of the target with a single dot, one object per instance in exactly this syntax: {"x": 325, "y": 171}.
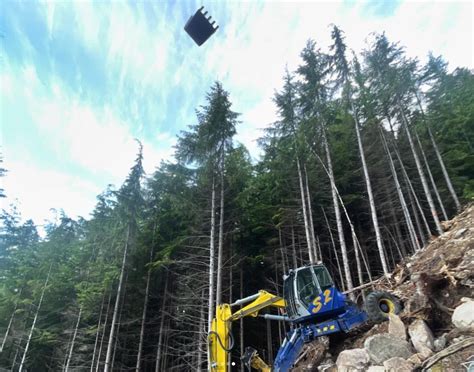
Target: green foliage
{"x": 168, "y": 213}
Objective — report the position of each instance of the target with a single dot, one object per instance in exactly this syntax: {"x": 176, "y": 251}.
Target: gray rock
{"x": 459, "y": 233}
{"x": 376, "y": 369}
{"x": 416, "y": 360}
{"x": 463, "y": 316}
{"x": 385, "y": 346}
{"x": 421, "y": 338}
{"x": 354, "y": 359}
{"x": 327, "y": 367}
{"x": 396, "y": 327}
{"x": 459, "y": 339}
{"x": 397, "y": 365}
{"x": 440, "y": 343}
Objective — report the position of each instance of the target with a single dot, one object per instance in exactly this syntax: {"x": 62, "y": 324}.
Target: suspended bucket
{"x": 199, "y": 27}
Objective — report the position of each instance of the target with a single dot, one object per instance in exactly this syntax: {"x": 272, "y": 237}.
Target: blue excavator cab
{"x": 317, "y": 308}
{"x": 310, "y": 294}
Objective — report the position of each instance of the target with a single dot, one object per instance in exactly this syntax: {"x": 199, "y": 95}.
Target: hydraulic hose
{"x": 231, "y": 337}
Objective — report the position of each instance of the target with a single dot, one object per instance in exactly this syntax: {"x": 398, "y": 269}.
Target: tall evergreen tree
{"x": 130, "y": 201}
{"x": 207, "y": 144}
{"x": 343, "y": 78}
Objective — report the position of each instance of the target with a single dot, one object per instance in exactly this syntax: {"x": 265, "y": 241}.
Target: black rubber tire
{"x": 379, "y": 304}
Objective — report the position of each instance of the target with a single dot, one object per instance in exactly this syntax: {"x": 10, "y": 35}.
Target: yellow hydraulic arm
{"x": 220, "y": 342}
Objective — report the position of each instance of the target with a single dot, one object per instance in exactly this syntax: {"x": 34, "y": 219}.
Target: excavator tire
{"x": 379, "y": 304}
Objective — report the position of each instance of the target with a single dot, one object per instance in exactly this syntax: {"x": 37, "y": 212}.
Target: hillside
{"x": 436, "y": 287}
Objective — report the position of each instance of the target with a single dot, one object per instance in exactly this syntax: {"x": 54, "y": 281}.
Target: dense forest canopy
{"x": 369, "y": 155}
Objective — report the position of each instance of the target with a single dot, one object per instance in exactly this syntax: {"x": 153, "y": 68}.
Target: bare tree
{"x": 373, "y": 211}
{"x": 440, "y": 158}
{"x": 426, "y": 189}
{"x": 73, "y": 339}
{"x": 108, "y": 358}
{"x": 38, "y": 308}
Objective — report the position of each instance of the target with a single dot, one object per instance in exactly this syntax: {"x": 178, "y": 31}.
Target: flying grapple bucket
{"x": 199, "y": 27}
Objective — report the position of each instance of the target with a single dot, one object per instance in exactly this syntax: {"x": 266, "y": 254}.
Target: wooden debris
{"x": 448, "y": 351}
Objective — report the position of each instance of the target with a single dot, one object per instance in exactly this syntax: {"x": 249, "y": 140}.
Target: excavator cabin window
{"x": 324, "y": 279}
{"x": 311, "y": 281}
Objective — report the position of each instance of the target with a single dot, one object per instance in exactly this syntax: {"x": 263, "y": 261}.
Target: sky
{"x": 80, "y": 80}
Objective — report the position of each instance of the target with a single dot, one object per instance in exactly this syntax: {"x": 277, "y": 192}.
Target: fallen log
{"x": 446, "y": 352}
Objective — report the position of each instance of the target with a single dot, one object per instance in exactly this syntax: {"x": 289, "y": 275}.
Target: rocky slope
{"x": 435, "y": 330}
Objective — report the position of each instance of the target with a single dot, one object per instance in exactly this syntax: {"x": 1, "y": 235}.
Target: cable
{"x": 231, "y": 337}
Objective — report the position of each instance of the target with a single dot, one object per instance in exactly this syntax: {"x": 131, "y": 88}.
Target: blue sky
{"x": 81, "y": 79}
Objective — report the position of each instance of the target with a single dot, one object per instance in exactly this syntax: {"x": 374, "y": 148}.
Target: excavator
{"x": 313, "y": 306}
{"x": 311, "y": 302}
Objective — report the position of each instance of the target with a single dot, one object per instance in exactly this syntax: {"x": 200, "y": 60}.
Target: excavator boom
{"x": 313, "y": 305}
{"x": 220, "y": 336}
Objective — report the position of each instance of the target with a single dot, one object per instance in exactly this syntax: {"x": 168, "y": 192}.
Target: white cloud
{"x": 37, "y": 190}
{"x": 248, "y": 54}
{"x": 87, "y": 147}
{"x": 133, "y": 49}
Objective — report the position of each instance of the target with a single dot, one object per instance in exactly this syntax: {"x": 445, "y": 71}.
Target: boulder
{"x": 397, "y": 365}
{"x": 440, "y": 343}
{"x": 396, "y": 327}
{"x": 463, "y": 316}
{"x": 376, "y": 369}
{"x": 385, "y": 346}
{"x": 460, "y": 233}
{"x": 416, "y": 360}
{"x": 354, "y": 359}
{"x": 421, "y": 338}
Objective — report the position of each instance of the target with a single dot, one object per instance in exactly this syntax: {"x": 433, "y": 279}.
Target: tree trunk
{"x": 338, "y": 198}
{"x": 358, "y": 263}
{"x": 241, "y": 321}
{"x": 16, "y": 354}
{"x": 119, "y": 323}
{"x": 229, "y": 359}
{"x": 210, "y": 314}
{"x": 317, "y": 251}
{"x": 401, "y": 197}
{"x": 220, "y": 249}
{"x": 108, "y": 358}
{"x": 342, "y": 242}
{"x": 283, "y": 252}
{"x": 310, "y": 215}
{"x": 440, "y": 158}
{"x": 73, "y": 340}
{"x": 160, "y": 332}
{"x": 202, "y": 334}
{"x": 98, "y": 332}
{"x": 430, "y": 175}
{"x": 305, "y": 213}
{"x": 103, "y": 333}
{"x": 10, "y": 322}
{"x": 293, "y": 247}
{"x": 426, "y": 189}
{"x": 145, "y": 305}
{"x": 343, "y": 284}
{"x": 411, "y": 191}
{"x": 373, "y": 211}
{"x": 23, "y": 359}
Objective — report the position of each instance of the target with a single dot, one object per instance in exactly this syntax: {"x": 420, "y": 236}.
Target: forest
{"x": 370, "y": 154}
